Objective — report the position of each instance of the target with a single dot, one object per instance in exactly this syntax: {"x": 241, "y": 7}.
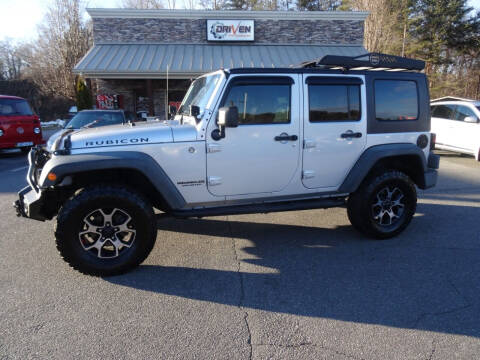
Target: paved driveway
{"x": 294, "y": 285}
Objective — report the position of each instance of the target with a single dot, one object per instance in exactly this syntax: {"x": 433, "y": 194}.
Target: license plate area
{"x": 26, "y": 143}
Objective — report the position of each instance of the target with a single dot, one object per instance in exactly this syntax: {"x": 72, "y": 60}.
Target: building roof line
{"x": 226, "y": 14}
{"x": 182, "y": 59}
{"x": 225, "y": 43}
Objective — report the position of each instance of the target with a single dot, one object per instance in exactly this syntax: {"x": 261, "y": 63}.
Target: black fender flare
{"x": 65, "y": 165}
{"x": 375, "y": 153}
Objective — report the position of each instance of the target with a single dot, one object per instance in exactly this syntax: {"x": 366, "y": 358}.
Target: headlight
{"x": 36, "y": 130}
{"x": 1, "y": 132}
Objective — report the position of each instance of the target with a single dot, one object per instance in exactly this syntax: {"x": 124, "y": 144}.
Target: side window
{"x": 334, "y": 102}
{"x": 396, "y": 100}
{"x": 462, "y": 112}
{"x": 260, "y": 104}
{"x": 444, "y": 111}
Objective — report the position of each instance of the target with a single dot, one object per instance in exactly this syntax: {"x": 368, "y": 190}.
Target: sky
{"x": 19, "y": 19}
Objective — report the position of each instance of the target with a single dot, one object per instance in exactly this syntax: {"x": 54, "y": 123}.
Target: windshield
{"x": 199, "y": 93}
{"x": 94, "y": 119}
{"x": 14, "y": 107}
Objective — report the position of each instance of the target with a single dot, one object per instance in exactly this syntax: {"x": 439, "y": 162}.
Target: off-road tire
{"x": 71, "y": 218}
{"x": 360, "y": 204}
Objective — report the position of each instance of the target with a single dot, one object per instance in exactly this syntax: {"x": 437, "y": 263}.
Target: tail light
{"x": 433, "y": 140}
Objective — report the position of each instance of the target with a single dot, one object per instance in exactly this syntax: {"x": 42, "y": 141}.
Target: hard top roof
{"x": 453, "y": 98}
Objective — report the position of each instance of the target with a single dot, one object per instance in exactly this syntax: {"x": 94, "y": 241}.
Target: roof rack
{"x": 369, "y": 61}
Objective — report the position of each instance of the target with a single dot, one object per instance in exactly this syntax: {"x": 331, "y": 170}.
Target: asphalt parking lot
{"x": 294, "y": 285}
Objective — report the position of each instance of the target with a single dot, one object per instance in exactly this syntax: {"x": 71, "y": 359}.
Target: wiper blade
{"x": 89, "y": 124}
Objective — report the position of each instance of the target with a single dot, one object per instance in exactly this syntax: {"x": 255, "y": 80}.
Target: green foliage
{"x": 438, "y": 26}
{"x": 444, "y": 33}
{"x": 84, "y": 96}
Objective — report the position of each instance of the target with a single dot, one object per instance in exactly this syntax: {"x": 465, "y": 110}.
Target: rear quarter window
{"x": 396, "y": 100}
{"x": 443, "y": 111}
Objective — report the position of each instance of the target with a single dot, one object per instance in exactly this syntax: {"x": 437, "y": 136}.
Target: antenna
{"x": 166, "y": 97}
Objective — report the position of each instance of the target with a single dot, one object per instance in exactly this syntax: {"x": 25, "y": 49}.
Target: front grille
{"x": 38, "y": 157}
{"x": 41, "y": 157}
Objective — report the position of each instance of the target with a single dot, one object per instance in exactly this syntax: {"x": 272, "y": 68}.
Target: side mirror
{"x": 227, "y": 117}
{"x": 470, "y": 119}
{"x": 194, "y": 111}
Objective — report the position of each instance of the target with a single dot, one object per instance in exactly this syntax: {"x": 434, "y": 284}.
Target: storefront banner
{"x": 230, "y": 30}
{"x": 109, "y": 102}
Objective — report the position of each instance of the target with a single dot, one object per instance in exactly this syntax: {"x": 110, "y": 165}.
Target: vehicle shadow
{"x": 417, "y": 280}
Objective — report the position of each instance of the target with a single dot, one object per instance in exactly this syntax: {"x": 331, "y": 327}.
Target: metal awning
{"x": 149, "y": 61}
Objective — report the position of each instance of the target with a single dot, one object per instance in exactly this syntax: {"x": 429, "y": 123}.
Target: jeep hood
{"x": 130, "y": 134}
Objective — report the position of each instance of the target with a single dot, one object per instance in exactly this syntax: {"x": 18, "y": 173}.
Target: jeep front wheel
{"x": 383, "y": 205}
{"x": 105, "y": 230}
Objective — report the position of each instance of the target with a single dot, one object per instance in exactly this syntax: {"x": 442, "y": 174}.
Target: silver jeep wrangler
{"x": 327, "y": 133}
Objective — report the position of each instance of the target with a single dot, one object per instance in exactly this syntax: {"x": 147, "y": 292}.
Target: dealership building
{"x": 144, "y": 60}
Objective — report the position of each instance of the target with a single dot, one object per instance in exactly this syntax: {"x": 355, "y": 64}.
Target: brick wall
{"x": 134, "y": 30}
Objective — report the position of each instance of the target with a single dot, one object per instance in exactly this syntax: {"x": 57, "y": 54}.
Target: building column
{"x": 148, "y": 83}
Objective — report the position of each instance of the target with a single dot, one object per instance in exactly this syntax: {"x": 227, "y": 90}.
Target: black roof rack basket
{"x": 370, "y": 61}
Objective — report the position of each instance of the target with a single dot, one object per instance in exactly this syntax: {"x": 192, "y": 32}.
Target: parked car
{"x": 250, "y": 140}
{"x": 456, "y": 123}
{"x": 96, "y": 118}
{"x": 19, "y": 126}
{"x": 91, "y": 119}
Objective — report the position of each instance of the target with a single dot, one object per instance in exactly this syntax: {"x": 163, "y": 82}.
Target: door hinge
{"x": 212, "y": 148}
{"x": 214, "y": 180}
{"x": 308, "y": 174}
{"x": 309, "y": 144}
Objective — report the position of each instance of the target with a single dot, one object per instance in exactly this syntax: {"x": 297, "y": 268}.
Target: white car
{"x": 456, "y": 122}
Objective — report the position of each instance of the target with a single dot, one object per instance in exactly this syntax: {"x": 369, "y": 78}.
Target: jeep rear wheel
{"x": 105, "y": 230}
{"x": 384, "y": 205}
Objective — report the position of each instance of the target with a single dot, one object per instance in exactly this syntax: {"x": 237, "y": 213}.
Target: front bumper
{"x": 30, "y": 204}
{"x": 32, "y": 201}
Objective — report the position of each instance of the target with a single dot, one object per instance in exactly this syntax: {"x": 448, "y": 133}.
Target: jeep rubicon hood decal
{"x": 118, "y": 135}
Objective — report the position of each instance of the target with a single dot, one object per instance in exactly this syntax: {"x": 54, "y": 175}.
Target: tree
{"x": 64, "y": 38}
{"x": 316, "y": 5}
{"x": 12, "y": 63}
{"x": 142, "y": 4}
{"x": 212, "y": 4}
{"x": 84, "y": 95}
{"x": 384, "y": 27}
{"x": 438, "y": 26}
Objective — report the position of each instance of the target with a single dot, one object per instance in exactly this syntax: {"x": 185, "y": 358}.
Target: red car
{"x": 19, "y": 126}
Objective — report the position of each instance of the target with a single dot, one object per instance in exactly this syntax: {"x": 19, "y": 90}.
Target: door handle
{"x": 286, "y": 137}
{"x": 350, "y": 134}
